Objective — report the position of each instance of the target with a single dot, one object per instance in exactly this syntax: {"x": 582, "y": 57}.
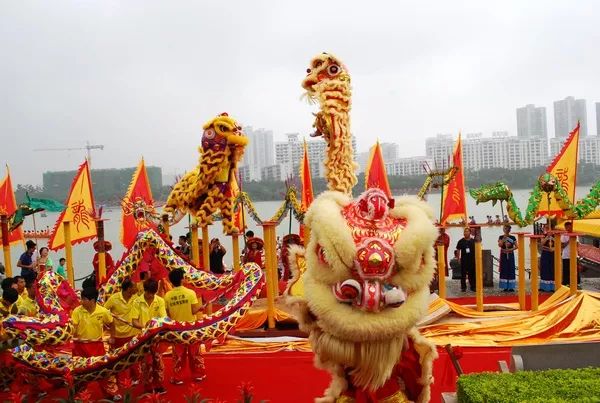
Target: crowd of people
{"x": 123, "y": 315}
{"x": 253, "y": 252}
{"x": 463, "y": 262}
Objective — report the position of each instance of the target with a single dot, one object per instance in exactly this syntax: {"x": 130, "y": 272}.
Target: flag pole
{"x": 442, "y": 197}
{"x": 35, "y": 235}
{"x": 291, "y": 211}
{"x": 241, "y": 202}
{"x": 6, "y": 245}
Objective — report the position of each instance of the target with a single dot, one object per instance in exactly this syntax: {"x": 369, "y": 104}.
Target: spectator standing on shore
{"x": 455, "y": 266}
{"x": 566, "y": 255}
{"x": 43, "y": 262}
{"x": 466, "y": 249}
{"x": 444, "y": 240}
{"x": 60, "y": 270}
{"x": 217, "y": 251}
{"x": 547, "y": 262}
{"x": 28, "y": 270}
{"x": 184, "y": 246}
{"x": 508, "y": 245}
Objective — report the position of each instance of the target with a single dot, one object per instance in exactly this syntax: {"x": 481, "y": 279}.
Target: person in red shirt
{"x": 254, "y": 252}
{"x": 110, "y": 264}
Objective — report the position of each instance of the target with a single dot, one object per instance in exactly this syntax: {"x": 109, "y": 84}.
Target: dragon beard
{"x": 333, "y": 123}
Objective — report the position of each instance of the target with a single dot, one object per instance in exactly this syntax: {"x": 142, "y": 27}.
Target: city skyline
{"x": 495, "y": 151}
{"x": 142, "y": 79}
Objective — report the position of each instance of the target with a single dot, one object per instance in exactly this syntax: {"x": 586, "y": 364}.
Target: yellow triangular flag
{"x": 79, "y": 211}
{"x": 564, "y": 167}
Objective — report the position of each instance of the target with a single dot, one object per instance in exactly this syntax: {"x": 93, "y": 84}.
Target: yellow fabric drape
{"x": 561, "y": 318}
{"x": 256, "y": 318}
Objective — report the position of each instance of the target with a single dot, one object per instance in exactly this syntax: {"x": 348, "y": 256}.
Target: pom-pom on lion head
{"x": 370, "y": 262}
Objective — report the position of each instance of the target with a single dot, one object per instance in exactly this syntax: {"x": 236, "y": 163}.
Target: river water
{"x": 83, "y": 253}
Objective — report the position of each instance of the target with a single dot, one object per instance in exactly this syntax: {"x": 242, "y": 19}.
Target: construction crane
{"x": 89, "y": 147}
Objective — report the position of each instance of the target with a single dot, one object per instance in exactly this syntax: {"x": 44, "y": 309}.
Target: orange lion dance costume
{"x": 369, "y": 264}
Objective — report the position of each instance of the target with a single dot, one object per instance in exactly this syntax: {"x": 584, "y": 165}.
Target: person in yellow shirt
{"x": 145, "y": 307}
{"x": 8, "y": 302}
{"x": 27, "y": 305}
{"x": 20, "y": 286}
{"x": 182, "y": 306}
{"x": 89, "y": 320}
{"x": 120, "y": 305}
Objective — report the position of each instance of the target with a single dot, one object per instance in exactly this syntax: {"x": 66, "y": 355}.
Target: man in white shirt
{"x": 566, "y": 255}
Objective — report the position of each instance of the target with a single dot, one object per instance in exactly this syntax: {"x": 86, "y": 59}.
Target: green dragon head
{"x": 493, "y": 193}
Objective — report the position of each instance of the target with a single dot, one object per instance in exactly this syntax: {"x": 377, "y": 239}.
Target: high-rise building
{"x": 498, "y": 151}
{"x": 531, "y": 121}
{"x": 439, "y": 149}
{"x": 275, "y": 173}
{"x": 566, "y": 114}
{"x": 408, "y": 166}
{"x": 289, "y": 154}
{"x": 259, "y": 152}
{"x": 362, "y": 159}
{"x": 389, "y": 151}
{"x": 598, "y": 118}
{"x": 588, "y": 152}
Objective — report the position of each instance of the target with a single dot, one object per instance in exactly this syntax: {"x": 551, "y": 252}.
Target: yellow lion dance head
{"x": 369, "y": 265}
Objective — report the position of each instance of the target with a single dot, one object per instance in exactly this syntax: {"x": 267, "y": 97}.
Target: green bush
{"x": 555, "y": 385}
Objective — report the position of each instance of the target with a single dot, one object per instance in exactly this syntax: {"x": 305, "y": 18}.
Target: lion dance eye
{"x": 333, "y": 69}
{"x": 321, "y": 255}
{"x": 209, "y": 134}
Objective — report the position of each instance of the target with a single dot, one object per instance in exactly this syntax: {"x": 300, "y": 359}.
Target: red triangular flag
{"x": 307, "y": 187}
{"x": 375, "y": 174}
{"x": 135, "y": 206}
{"x": 8, "y": 206}
{"x": 455, "y": 205}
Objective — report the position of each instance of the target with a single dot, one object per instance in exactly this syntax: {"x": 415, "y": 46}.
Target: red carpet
{"x": 290, "y": 376}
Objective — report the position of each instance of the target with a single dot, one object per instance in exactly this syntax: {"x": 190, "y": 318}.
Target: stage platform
{"x": 286, "y": 376}
{"x": 280, "y": 369}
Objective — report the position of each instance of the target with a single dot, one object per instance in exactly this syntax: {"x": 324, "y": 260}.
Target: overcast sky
{"x": 141, "y": 77}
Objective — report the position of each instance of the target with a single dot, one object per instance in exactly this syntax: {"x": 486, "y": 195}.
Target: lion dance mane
{"x": 369, "y": 262}
{"x": 207, "y": 188}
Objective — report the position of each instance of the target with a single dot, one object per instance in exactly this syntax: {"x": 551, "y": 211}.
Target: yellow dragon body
{"x": 55, "y": 328}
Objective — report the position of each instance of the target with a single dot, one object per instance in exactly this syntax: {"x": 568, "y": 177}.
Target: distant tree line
{"x": 112, "y": 191}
